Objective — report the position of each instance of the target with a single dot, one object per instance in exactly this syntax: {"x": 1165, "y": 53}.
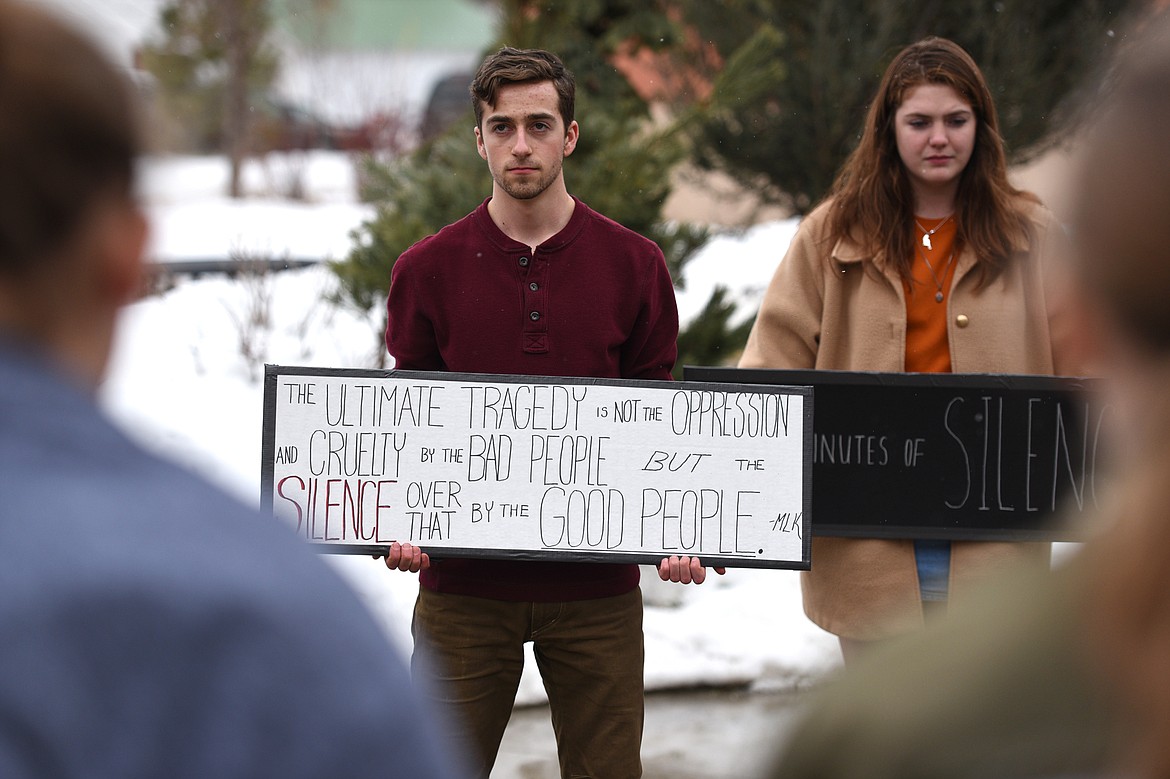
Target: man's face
{"x": 524, "y": 139}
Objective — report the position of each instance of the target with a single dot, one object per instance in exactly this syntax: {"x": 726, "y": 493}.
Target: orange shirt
{"x": 927, "y": 349}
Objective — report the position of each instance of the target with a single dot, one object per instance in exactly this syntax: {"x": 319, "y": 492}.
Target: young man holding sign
{"x": 534, "y": 282}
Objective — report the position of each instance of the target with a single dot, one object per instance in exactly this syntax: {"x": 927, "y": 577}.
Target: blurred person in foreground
{"x": 534, "y": 282}
{"x": 922, "y": 259}
{"x": 1071, "y": 676}
{"x": 150, "y": 626}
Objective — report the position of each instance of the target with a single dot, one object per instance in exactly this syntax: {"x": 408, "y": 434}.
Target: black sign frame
{"x": 800, "y": 524}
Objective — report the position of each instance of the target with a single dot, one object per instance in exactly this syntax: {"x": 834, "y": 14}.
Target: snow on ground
{"x": 182, "y": 381}
{"x": 741, "y": 261}
{"x": 194, "y": 219}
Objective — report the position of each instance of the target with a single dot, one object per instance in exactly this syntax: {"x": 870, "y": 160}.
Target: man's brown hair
{"x": 522, "y": 66}
{"x": 68, "y": 134}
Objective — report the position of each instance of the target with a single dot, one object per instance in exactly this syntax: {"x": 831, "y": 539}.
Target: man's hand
{"x": 684, "y": 570}
{"x": 407, "y": 557}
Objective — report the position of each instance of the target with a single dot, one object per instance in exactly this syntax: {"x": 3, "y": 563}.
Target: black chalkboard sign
{"x": 948, "y": 456}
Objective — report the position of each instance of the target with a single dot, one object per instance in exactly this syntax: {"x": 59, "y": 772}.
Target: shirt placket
{"x": 534, "y": 293}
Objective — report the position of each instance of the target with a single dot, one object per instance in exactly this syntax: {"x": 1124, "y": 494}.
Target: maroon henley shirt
{"x": 595, "y": 300}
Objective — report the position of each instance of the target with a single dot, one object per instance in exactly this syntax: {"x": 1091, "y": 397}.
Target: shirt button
{"x": 535, "y": 315}
{"x": 533, "y": 286}
{"x": 523, "y": 262}
{"x": 962, "y": 321}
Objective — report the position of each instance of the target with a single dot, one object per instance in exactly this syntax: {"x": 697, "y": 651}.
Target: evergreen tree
{"x": 789, "y": 105}
{"x": 711, "y": 339}
{"x": 621, "y": 166}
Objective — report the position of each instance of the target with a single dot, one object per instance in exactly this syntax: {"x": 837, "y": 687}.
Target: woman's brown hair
{"x": 872, "y": 199}
{"x": 1123, "y": 266}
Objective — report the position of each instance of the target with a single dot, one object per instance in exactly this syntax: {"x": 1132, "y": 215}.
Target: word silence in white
{"x": 517, "y": 467}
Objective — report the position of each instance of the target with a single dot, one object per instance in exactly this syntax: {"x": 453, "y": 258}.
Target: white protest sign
{"x": 525, "y": 467}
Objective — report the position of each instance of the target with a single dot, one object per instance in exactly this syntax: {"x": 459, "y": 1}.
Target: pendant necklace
{"x": 927, "y": 234}
{"x": 938, "y": 295}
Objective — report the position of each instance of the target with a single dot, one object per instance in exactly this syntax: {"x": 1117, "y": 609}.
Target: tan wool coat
{"x": 831, "y": 307}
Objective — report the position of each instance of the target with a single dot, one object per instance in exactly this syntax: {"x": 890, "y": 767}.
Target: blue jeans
{"x": 590, "y": 655}
{"x": 934, "y": 569}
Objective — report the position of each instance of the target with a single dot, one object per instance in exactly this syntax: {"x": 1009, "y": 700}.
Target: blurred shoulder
{"x": 1036, "y": 212}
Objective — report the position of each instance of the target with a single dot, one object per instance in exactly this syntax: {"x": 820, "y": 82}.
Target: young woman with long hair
{"x": 923, "y": 258}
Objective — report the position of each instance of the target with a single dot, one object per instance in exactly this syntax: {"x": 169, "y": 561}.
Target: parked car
{"x": 277, "y": 125}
